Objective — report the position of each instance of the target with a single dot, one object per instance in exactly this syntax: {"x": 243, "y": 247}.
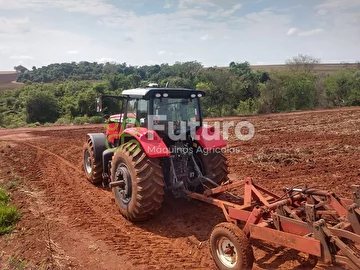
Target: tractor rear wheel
{"x": 93, "y": 169}
{"x": 230, "y": 248}
{"x": 215, "y": 167}
{"x": 140, "y": 192}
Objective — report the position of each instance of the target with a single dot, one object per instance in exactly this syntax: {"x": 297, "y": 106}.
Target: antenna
{"x": 167, "y": 85}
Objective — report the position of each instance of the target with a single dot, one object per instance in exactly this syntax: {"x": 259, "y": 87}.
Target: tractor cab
{"x": 170, "y": 112}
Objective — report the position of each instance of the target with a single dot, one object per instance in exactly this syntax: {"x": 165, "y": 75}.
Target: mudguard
{"x": 99, "y": 142}
{"x": 106, "y": 157}
{"x": 209, "y": 138}
{"x": 149, "y": 140}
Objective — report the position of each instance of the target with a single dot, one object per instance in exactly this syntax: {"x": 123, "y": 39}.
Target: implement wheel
{"x": 93, "y": 170}
{"x": 140, "y": 194}
{"x": 230, "y": 248}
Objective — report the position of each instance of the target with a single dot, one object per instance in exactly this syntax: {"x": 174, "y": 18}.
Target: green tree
{"x": 86, "y": 103}
{"x": 223, "y": 91}
{"x": 272, "y": 96}
{"x": 134, "y": 80}
{"x": 240, "y": 69}
{"x": 338, "y": 86}
{"x": 42, "y": 107}
{"x": 20, "y": 69}
{"x": 300, "y": 90}
{"x": 302, "y": 63}
{"x": 249, "y": 78}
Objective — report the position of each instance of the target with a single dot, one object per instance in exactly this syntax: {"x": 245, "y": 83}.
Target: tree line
{"x": 65, "y": 93}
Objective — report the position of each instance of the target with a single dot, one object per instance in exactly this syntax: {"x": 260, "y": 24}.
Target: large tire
{"x": 215, "y": 167}
{"x": 142, "y": 194}
{"x": 93, "y": 170}
{"x": 230, "y": 248}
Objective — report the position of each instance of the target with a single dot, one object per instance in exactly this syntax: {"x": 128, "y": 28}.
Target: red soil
{"x": 69, "y": 223}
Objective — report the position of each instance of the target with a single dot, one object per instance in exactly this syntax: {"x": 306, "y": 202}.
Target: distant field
{"x": 6, "y": 79}
{"x": 320, "y": 68}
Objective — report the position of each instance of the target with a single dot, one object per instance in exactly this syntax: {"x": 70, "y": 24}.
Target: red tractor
{"x": 157, "y": 142}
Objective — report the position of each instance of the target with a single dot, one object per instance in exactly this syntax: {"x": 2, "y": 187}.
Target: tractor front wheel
{"x": 230, "y": 248}
{"x": 139, "y": 189}
{"x": 215, "y": 167}
{"x": 93, "y": 169}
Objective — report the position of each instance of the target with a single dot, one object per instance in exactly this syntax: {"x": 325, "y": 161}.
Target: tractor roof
{"x": 147, "y": 93}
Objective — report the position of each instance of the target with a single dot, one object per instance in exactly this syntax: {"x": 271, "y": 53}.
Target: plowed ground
{"x": 67, "y": 223}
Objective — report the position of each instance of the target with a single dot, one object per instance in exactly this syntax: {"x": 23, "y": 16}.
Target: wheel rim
{"x": 226, "y": 252}
{"x": 125, "y": 190}
{"x": 87, "y": 161}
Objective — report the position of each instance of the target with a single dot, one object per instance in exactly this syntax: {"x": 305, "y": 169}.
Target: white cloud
{"x": 311, "y": 32}
{"x": 322, "y": 12}
{"x": 106, "y": 59}
{"x": 169, "y": 3}
{"x": 336, "y": 5}
{"x": 206, "y": 37}
{"x": 14, "y": 25}
{"x": 163, "y": 53}
{"x": 93, "y": 7}
{"x": 73, "y": 52}
{"x": 292, "y": 31}
{"x": 159, "y": 26}
{"x": 225, "y": 12}
{"x": 21, "y": 4}
{"x": 183, "y": 4}
{"x": 298, "y": 32}
{"x": 21, "y": 57}
{"x": 265, "y": 18}
{"x": 42, "y": 46}
{"x": 233, "y": 9}
{"x": 191, "y": 12}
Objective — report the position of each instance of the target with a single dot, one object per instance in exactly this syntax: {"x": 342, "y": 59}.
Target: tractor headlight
{"x": 199, "y": 95}
{"x": 157, "y": 95}
{"x": 165, "y": 95}
{"x": 193, "y": 96}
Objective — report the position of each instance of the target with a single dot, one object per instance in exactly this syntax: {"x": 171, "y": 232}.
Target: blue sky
{"x": 145, "y": 32}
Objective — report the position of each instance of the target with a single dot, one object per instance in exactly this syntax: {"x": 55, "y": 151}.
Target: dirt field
{"x": 6, "y": 80}
{"x": 67, "y": 223}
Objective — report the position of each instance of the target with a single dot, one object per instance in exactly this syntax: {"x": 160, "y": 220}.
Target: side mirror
{"x": 98, "y": 104}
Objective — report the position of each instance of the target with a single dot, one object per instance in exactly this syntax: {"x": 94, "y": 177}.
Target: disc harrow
{"x": 307, "y": 219}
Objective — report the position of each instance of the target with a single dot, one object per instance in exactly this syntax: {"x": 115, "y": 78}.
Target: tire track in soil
{"x": 97, "y": 214}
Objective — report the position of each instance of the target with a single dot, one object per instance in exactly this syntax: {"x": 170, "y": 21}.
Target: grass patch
{"x": 36, "y": 124}
{"x": 9, "y": 215}
{"x": 11, "y": 183}
{"x": 15, "y": 263}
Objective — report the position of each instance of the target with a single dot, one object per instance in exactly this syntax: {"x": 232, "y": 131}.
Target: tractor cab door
{"x": 113, "y": 108}
{"x": 142, "y": 112}
{"x": 136, "y": 113}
